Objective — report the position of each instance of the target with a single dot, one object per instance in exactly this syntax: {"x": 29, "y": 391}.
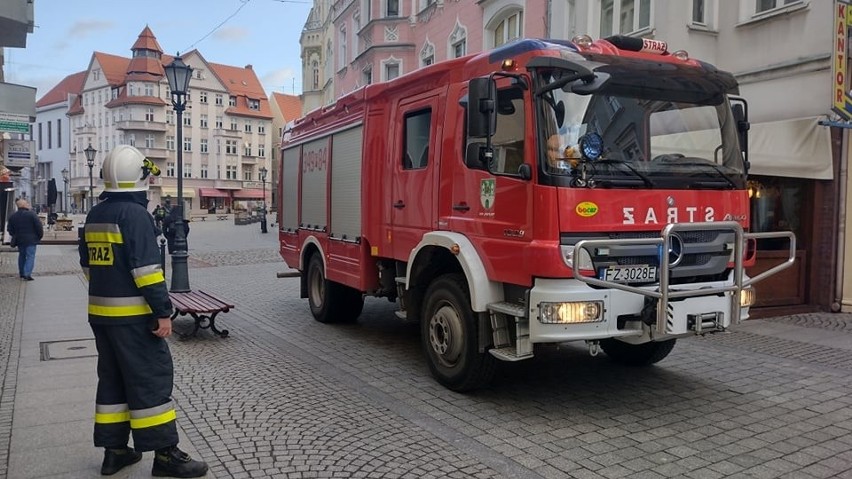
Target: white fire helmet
{"x": 126, "y": 169}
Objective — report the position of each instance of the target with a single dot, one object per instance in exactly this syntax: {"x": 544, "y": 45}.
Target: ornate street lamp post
{"x": 65, "y": 192}
{"x": 90, "y": 160}
{"x": 263, "y": 172}
{"x": 178, "y": 74}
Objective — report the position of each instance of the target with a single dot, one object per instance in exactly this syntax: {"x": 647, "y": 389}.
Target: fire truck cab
{"x": 543, "y": 192}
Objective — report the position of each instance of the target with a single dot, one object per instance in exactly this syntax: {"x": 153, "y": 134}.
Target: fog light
{"x": 748, "y": 296}
{"x": 570, "y": 313}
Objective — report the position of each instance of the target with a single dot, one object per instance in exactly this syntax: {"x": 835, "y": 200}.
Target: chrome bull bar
{"x": 663, "y": 294}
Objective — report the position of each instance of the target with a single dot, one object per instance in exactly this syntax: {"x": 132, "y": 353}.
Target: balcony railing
{"x": 140, "y": 125}
{"x": 227, "y": 133}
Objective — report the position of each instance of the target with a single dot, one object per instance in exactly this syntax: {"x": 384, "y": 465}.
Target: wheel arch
{"x": 310, "y": 247}
{"x": 427, "y": 260}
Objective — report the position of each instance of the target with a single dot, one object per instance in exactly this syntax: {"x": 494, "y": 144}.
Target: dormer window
{"x": 254, "y": 104}
{"x": 232, "y": 101}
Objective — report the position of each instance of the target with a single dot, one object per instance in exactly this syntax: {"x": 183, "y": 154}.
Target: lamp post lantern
{"x": 263, "y": 172}
{"x": 90, "y": 160}
{"x": 65, "y": 192}
{"x": 178, "y": 74}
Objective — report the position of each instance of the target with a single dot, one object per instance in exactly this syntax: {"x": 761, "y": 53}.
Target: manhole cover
{"x": 68, "y": 349}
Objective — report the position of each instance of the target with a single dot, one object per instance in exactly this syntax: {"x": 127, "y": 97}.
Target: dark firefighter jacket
{"x": 121, "y": 259}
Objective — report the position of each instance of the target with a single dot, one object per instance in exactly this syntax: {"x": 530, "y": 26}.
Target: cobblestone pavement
{"x": 286, "y": 396}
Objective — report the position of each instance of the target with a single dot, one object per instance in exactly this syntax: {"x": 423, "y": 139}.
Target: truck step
{"x": 508, "y": 354}
{"x": 510, "y": 309}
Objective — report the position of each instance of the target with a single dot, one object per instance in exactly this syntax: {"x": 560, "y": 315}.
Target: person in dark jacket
{"x": 26, "y": 230}
{"x": 129, "y": 312}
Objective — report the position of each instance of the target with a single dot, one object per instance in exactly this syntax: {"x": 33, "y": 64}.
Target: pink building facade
{"x": 377, "y": 40}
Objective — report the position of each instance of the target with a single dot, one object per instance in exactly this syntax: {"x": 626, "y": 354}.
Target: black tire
{"x": 637, "y": 354}
{"x": 449, "y": 336}
{"x": 331, "y": 302}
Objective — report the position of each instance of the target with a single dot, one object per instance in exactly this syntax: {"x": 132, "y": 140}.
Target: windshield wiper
{"x": 714, "y": 167}
{"x": 643, "y": 176}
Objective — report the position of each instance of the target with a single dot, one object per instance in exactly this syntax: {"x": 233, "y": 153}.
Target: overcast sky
{"x": 263, "y": 33}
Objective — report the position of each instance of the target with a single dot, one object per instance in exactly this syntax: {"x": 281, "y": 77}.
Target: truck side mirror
{"x": 739, "y": 109}
{"x": 481, "y": 114}
{"x": 474, "y": 156}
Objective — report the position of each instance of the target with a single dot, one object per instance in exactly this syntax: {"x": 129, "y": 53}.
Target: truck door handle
{"x": 461, "y": 206}
{"x": 399, "y": 204}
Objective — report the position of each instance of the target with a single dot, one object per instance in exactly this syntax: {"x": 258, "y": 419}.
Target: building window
{"x": 230, "y": 147}
{"x": 170, "y": 168}
{"x": 232, "y": 101}
{"x": 427, "y": 54}
{"x": 170, "y": 117}
{"x": 247, "y": 175}
{"x": 315, "y": 74}
{"x": 219, "y": 122}
{"x": 507, "y": 28}
{"x": 219, "y": 99}
{"x": 187, "y": 143}
{"x": 254, "y": 104}
{"x": 356, "y": 27}
{"x": 261, "y": 151}
{"x": 458, "y": 41}
{"x": 49, "y": 135}
{"x": 392, "y": 8}
{"x": 149, "y": 89}
{"x": 247, "y": 149}
{"x": 96, "y": 75}
{"x": 39, "y": 136}
{"x": 624, "y": 16}
{"x": 198, "y": 73}
{"x": 341, "y": 45}
{"x": 204, "y": 171}
{"x": 170, "y": 143}
{"x": 187, "y": 120}
{"x": 367, "y": 75}
{"x": 203, "y": 121}
{"x": 231, "y": 172}
{"x": 204, "y": 145}
{"x": 247, "y": 126}
{"x": 261, "y": 127}
{"x": 202, "y": 96}
{"x": 391, "y": 69}
{"x": 149, "y": 114}
{"x": 233, "y": 124}
{"x": 149, "y": 140}
{"x": 187, "y": 170}
{"x": 59, "y": 133}
{"x": 131, "y": 140}
{"x": 766, "y": 5}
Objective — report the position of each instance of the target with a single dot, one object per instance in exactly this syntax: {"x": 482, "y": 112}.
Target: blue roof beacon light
{"x": 591, "y": 146}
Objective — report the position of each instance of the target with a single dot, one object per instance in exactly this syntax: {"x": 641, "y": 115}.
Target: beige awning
{"x": 187, "y": 192}
{"x": 799, "y": 148}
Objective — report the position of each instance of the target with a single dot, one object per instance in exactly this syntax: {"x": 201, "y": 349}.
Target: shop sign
{"x": 841, "y": 102}
{"x": 19, "y": 153}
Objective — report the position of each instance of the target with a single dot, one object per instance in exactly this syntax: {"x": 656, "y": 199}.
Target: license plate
{"x": 637, "y": 273}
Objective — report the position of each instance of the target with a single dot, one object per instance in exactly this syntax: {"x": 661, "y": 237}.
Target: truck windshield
{"x": 652, "y": 137}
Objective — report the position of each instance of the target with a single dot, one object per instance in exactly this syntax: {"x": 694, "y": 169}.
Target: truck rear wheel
{"x": 331, "y": 302}
{"x": 449, "y": 336}
{"x": 637, "y": 354}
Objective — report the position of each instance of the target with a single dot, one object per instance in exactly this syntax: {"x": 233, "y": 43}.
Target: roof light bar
{"x": 643, "y": 45}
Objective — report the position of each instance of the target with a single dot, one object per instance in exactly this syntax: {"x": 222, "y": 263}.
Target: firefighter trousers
{"x": 135, "y": 377}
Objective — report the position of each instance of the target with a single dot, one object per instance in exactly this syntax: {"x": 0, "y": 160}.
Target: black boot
{"x": 172, "y": 462}
{"x": 116, "y": 459}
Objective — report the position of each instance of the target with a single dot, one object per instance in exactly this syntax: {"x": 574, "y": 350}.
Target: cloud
{"x": 281, "y": 80}
{"x": 231, "y": 34}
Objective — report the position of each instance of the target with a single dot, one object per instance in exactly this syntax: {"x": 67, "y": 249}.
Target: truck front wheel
{"x": 449, "y": 336}
{"x": 331, "y": 302}
{"x": 637, "y": 354}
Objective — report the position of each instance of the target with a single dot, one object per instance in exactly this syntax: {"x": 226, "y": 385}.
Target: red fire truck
{"x": 542, "y": 192}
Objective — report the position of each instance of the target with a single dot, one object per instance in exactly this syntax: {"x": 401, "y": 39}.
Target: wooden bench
{"x": 203, "y": 307}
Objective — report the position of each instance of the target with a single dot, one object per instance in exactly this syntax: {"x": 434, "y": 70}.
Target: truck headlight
{"x": 748, "y": 296}
{"x": 570, "y": 313}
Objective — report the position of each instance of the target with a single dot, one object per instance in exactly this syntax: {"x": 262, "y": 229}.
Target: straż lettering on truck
{"x": 542, "y": 192}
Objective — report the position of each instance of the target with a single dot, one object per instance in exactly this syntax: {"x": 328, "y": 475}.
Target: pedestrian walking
{"x": 26, "y": 229}
{"x": 129, "y": 313}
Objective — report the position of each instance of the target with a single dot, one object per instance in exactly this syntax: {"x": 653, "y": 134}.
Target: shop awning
{"x": 212, "y": 193}
{"x": 187, "y": 192}
{"x": 248, "y": 194}
{"x": 799, "y": 148}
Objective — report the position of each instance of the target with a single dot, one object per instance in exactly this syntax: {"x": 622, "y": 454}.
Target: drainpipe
{"x": 837, "y": 305}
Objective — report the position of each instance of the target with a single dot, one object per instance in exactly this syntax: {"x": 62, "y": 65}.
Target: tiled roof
{"x": 289, "y": 105}
{"x": 71, "y": 84}
{"x": 147, "y": 41}
{"x": 114, "y": 67}
{"x": 76, "y": 108}
{"x": 243, "y": 84}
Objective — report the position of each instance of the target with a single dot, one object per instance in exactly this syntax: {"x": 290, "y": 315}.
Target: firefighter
{"x": 129, "y": 313}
